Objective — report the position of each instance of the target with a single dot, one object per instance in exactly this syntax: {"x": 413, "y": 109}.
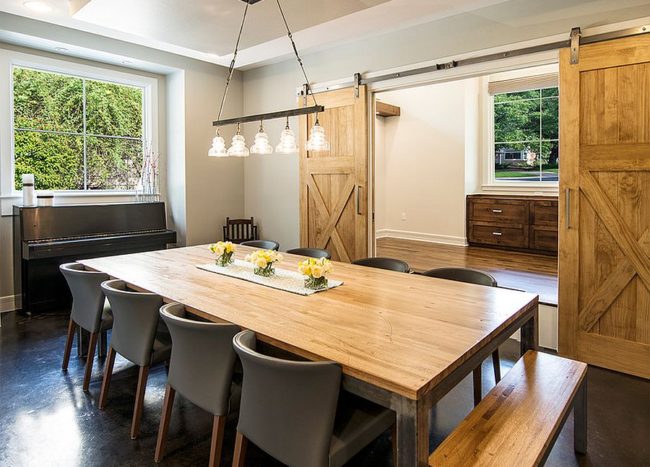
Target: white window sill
{"x": 78, "y": 194}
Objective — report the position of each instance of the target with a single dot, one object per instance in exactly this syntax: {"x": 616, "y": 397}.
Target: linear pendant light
{"x": 317, "y": 140}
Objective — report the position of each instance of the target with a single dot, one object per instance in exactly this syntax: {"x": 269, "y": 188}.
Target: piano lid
{"x": 42, "y": 222}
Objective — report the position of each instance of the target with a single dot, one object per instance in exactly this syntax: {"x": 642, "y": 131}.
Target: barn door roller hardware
{"x": 575, "y": 40}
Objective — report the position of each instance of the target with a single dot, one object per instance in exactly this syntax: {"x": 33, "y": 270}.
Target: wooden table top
{"x": 401, "y": 332}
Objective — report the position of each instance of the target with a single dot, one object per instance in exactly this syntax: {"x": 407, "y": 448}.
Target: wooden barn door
{"x": 604, "y": 296}
{"x": 333, "y": 184}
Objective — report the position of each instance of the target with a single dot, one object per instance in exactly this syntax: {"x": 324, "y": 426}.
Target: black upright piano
{"x": 45, "y": 237}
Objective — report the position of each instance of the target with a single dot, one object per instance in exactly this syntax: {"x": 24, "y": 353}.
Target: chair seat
{"x": 358, "y": 422}
{"x": 107, "y": 317}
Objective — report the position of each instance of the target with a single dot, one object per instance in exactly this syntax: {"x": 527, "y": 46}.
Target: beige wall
{"x": 421, "y": 168}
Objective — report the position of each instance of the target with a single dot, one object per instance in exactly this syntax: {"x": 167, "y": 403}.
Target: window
{"x": 76, "y": 133}
{"x": 524, "y": 138}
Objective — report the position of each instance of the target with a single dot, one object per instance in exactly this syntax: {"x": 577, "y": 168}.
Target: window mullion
{"x": 85, "y": 138}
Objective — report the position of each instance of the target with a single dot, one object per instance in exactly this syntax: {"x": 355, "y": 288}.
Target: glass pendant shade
{"x": 261, "y": 144}
{"x": 287, "y": 143}
{"x": 317, "y": 140}
{"x": 238, "y": 147}
{"x": 218, "y": 148}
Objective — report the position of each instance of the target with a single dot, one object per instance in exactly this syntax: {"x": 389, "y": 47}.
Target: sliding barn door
{"x": 333, "y": 184}
{"x": 604, "y": 296}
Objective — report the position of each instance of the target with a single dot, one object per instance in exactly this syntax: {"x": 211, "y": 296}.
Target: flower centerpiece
{"x": 264, "y": 261}
{"x": 316, "y": 271}
{"x": 223, "y": 252}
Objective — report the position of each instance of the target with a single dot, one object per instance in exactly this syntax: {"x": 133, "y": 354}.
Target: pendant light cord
{"x": 295, "y": 51}
{"x": 231, "y": 69}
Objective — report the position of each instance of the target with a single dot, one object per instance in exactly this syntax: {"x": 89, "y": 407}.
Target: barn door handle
{"x": 567, "y": 209}
{"x": 359, "y": 199}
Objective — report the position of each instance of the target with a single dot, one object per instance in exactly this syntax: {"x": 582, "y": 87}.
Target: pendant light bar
{"x": 270, "y": 115}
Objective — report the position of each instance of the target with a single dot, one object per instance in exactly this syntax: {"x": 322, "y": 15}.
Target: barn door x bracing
{"x": 333, "y": 184}
{"x": 604, "y": 296}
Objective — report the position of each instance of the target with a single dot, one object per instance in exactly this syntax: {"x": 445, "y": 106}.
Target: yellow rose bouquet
{"x": 316, "y": 271}
{"x": 223, "y": 252}
{"x": 264, "y": 261}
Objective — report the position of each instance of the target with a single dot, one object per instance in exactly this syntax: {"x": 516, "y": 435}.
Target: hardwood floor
{"x": 526, "y": 271}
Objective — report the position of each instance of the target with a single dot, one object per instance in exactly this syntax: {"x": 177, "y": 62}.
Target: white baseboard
{"x": 420, "y": 236}
{"x": 9, "y": 303}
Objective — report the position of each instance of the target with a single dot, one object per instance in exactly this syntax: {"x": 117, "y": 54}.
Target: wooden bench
{"x": 518, "y": 422}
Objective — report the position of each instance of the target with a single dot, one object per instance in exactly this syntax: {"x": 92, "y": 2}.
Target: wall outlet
{"x": 403, "y": 216}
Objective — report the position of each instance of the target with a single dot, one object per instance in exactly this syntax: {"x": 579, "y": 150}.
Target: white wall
{"x": 201, "y": 191}
{"x": 420, "y": 178}
{"x": 272, "y": 87}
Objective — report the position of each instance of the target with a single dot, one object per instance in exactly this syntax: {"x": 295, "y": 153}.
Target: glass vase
{"x": 267, "y": 271}
{"x": 316, "y": 283}
{"x": 224, "y": 260}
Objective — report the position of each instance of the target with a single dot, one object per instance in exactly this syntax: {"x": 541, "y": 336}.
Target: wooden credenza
{"x": 528, "y": 223}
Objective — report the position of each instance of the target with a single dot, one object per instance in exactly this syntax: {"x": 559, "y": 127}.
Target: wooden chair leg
{"x": 170, "y": 393}
{"x": 478, "y": 385}
{"x": 68, "y": 344}
{"x": 393, "y": 438}
{"x": 496, "y": 363}
{"x": 139, "y": 401}
{"x": 216, "y": 443}
{"x": 108, "y": 372}
{"x": 90, "y": 357}
{"x": 239, "y": 456}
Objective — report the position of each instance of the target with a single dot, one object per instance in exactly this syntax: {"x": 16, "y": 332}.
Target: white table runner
{"x": 283, "y": 279}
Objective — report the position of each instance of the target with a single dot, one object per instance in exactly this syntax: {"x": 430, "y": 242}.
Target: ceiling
{"x": 207, "y": 29}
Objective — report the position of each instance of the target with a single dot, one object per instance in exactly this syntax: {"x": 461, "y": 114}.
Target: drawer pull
{"x": 498, "y": 234}
{"x": 497, "y": 211}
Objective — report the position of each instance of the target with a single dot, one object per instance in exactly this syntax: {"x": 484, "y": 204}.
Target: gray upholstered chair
{"x": 201, "y": 370}
{"x": 90, "y": 311}
{"x": 263, "y": 244}
{"x": 292, "y": 411}
{"x": 138, "y": 336}
{"x": 471, "y": 276}
{"x": 390, "y": 264}
{"x": 311, "y": 252}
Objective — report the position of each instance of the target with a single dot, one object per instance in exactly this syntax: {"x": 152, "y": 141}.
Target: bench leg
{"x": 580, "y": 419}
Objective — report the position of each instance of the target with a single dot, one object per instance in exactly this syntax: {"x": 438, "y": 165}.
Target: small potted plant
{"x": 263, "y": 260}
{"x": 223, "y": 252}
{"x": 316, "y": 271}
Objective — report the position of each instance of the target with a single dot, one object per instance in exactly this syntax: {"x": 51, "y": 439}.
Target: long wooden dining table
{"x": 402, "y": 340}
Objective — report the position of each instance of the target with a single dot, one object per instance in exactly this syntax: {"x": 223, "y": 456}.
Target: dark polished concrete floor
{"x": 47, "y": 420}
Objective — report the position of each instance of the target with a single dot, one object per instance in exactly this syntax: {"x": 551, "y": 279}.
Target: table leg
{"x": 412, "y": 433}
{"x": 529, "y": 333}
{"x": 580, "y": 419}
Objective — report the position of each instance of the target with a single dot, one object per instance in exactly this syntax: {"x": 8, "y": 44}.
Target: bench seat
{"x": 519, "y": 420}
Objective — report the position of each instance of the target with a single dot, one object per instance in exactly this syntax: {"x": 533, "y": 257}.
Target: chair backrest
{"x": 202, "y": 359}
{"x": 135, "y": 321}
{"x": 384, "y": 263}
{"x": 239, "y": 230}
{"x": 311, "y": 252}
{"x": 471, "y": 276}
{"x": 264, "y": 244}
{"x": 287, "y": 407}
{"x": 87, "y": 296}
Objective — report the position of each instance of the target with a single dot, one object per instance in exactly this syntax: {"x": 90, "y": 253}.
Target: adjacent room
{"x": 324, "y": 233}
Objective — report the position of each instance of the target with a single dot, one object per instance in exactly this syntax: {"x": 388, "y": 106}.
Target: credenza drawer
{"x": 494, "y": 210}
{"x": 516, "y": 237}
{"x": 544, "y": 238}
{"x": 544, "y": 213}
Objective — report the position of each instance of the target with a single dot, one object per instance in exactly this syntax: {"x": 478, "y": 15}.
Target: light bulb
{"x": 238, "y": 146}
{"x": 218, "y": 148}
{"x": 287, "y": 144}
{"x": 317, "y": 140}
{"x": 261, "y": 144}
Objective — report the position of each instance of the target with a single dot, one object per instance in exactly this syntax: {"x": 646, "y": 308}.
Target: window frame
{"x": 12, "y": 60}
{"x": 489, "y": 180}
